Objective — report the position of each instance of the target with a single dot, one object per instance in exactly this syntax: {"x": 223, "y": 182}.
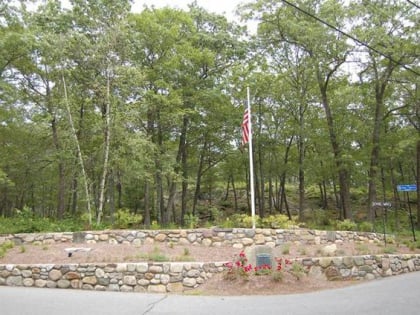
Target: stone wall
{"x": 366, "y": 267}
{"x": 237, "y": 238}
{"x": 178, "y": 277}
{"x": 125, "y": 277}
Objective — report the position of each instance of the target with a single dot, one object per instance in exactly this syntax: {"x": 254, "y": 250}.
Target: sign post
{"x": 384, "y": 206}
{"x": 407, "y": 189}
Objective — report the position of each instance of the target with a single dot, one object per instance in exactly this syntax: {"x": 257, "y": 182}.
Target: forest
{"x": 105, "y": 112}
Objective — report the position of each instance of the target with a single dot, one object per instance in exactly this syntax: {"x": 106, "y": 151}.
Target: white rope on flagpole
{"x": 251, "y": 160}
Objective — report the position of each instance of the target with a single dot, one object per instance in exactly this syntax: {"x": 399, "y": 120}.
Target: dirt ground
{"x": 261, "y": 285}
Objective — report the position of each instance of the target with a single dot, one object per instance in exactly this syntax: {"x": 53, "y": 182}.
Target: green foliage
{"x": 125, "y": 219}
{"x": 346, "y": 225}
{"x": 191, "y": 221}
{"x": 297, "y": 270}
{"x": 366, "y": 226}
{"x": 4, "y": 247}
{"x": 278, "y": 221}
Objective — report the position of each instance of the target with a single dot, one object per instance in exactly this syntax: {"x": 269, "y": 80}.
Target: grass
{"x": 286, "y": 249}
{"x": 4, "y": 247}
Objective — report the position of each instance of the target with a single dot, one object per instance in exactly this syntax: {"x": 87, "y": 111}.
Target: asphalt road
{"x": 394, "y": 295}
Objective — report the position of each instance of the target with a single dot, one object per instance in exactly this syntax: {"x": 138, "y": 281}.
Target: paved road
{"x": 395, "y": 295}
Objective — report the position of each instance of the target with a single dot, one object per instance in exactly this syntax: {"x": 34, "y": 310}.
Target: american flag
{"x": 245, "y": 128}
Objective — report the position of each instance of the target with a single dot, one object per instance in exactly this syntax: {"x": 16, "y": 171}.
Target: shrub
{"x": 366, "y": 226}
{"x": 124, "y": 219}
{"x": 191, "y": 221}
{"x": 346, "y": 225}
{"x": 278, "y": 221}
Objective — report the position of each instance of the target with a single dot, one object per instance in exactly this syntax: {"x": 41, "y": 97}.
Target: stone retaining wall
{"x": 237, "y": 238}
{"x": 125, "y": 277}
{"x": 367, "y": 267}
{"x": 179, "y": 277}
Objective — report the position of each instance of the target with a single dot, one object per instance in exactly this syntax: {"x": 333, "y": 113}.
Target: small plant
{"x": 171, "y": 245}
{"x": 191, "y": 221}
{"x": 22, "y": 249}
{"x": 362, "y": 249}
{"x": 366, "y": 226}
{"x": 297, "y": 270}
{"x": 186, "y": 252}
{"x": 286, "y": 249}
{"x": 389, "y": 250}
{"x": 4, "y": 247}
{"x": 157, "y": 256}
{"x": 8, "y": 245}
{"x": 346, "y": 225}
{"x": 263, "y": 270}
{"x": 124, "y": 219}
{"x": 302, "y": 251}
{"x": 238, "y": 269}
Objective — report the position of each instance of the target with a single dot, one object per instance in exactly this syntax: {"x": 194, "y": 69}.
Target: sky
{"x": 225, "y": 7}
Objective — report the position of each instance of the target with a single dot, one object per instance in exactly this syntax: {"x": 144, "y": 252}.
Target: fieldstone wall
{"x": 237, "y": 238}
{"x": 182, "y": 276}
{"x": 179, "y": 277}
{"x": 367, "y": 267}
{"x": 124, "y": 277}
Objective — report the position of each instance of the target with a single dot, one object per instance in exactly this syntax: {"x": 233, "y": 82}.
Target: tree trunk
{"x": 147, "y": 219}
{"x": 198, "y": 180}
{"x": 79, "y": 152}
{"x": 107, "y": 141}
{"x": 343, "y": 176}
{"x": 374, "y": 155}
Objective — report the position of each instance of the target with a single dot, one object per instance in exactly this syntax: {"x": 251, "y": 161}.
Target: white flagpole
{"x": 251, "y": 160}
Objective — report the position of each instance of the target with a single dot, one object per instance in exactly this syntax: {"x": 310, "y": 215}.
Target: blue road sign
{"x": 407, "y": 187}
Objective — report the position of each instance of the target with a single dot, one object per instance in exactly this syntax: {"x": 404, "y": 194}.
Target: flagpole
{"x": 251, "y": 160}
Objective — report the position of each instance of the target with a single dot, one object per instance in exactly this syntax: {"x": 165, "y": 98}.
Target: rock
{"x": 160, "y": 237}
{"x": 316, "y": 272}
{"x": 63, "y": 284}
{"x": 130, "y": 280}
{"x": 90, "y": 280}
{"x": 194, "y": 273}
{"x": 142, "y": 267}
{"x": 71, "y": 275}
{"x": 14, "y": 281}
{"x": 247, "y": 241}
{"x": 158, "y": 288}
{"x": 164, "y": 279}
{"x": 40, "y": 283}
{"x": 55, "y": 274}
{"x": 28, "y": 282}
{"x": 176, "y": 287}
{"x": 155, "y": 269}
{"x": 176, "y": 267}
{"x": 329, "y": 250}
{"x": 126, "y": 288}
{"x": 189, "y": 282}
{"x": 332, "y": 273}
{"x": 207, "y": 242}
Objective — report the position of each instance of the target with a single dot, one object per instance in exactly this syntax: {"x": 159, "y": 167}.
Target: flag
{"x": 245, "y": 127}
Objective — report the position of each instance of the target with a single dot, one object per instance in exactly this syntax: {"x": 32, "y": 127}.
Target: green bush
{"x": 346, "y": 225}
{"x": 191, "y": 221}
{"x": 366, "y": 226}
{"x": 278, "y": 221}
{"x": 125, "y": 219}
